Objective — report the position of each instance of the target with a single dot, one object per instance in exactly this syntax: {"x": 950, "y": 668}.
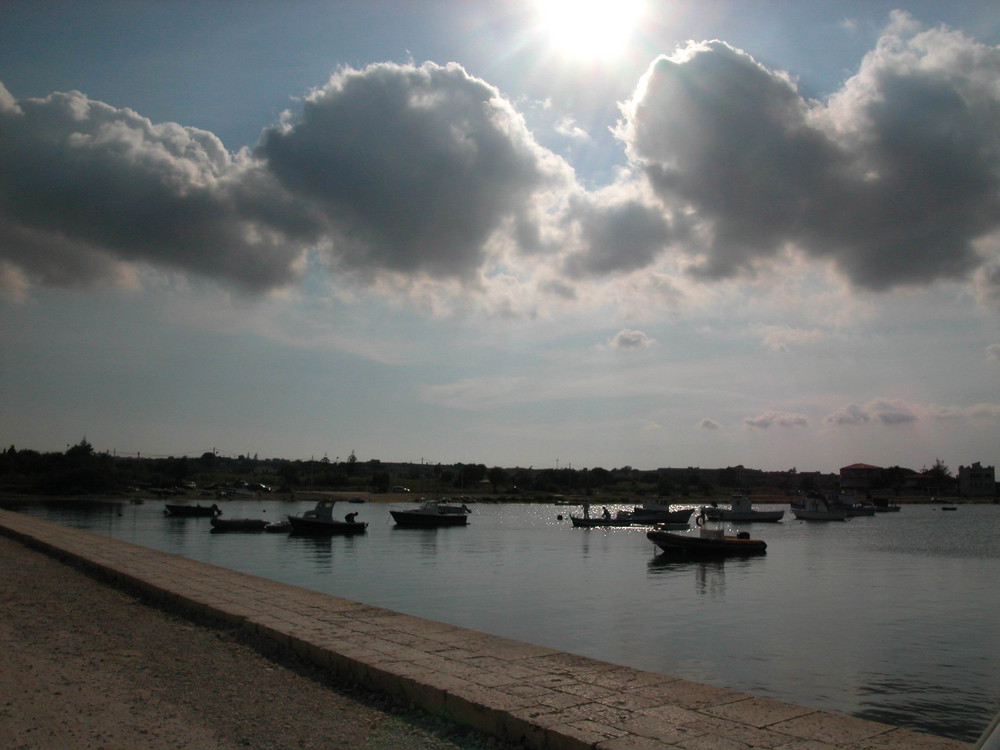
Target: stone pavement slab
{"x": 515, "y": 691}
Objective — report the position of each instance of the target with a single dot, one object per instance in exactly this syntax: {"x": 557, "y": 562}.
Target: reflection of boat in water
{"x": 431, "y": 514}
{"x": 816, "y": 508}
{"x": 320, "y": 521}
{"x": 193, "y": 510}
{"x": 599, "y": 521}
{"x": 741, "y": 510}
{"x": 656, "y": 511}
{"x": 238, "y": 524}
{"x": 707, "y": 541}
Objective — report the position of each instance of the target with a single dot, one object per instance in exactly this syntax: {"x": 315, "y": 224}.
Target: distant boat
{"x": 656, "y": 511}
{"x": 238, "y": 524}
{"x": 430, "y": 514}
{"x": 741, "y": 510}
{"x": 884, "y": 505}
{"x": 852, "y": 506}
{"x": 320, "y": 521}
{"x": 193, "y": 510}
{"x": 816, "y": 508}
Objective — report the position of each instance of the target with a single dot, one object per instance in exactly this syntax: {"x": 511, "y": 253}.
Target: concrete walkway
{"x": 514, "y": 691}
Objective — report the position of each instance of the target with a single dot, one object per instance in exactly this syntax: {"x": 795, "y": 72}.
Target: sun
{"x": 594, "y": 29}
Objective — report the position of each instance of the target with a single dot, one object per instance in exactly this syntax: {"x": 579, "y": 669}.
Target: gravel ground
{"x": 85, "y": 665}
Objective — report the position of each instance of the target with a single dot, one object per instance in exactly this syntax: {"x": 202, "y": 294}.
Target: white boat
{"x": 817, "y": 509}
{"x": 741, "y": 510}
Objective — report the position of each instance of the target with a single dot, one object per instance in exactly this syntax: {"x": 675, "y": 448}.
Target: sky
{"x": 522, "y": 233}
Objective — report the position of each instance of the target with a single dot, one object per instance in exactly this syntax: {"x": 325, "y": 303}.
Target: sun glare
{"x": 595, "y": 29}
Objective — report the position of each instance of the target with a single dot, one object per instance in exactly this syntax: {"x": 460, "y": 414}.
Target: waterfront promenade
{"x": 514, "y": 691}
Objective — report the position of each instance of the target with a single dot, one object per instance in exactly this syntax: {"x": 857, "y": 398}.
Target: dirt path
{"x": 84, "y": 665}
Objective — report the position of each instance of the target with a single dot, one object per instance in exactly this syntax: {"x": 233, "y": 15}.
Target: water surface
{"x": 891, "y": 618}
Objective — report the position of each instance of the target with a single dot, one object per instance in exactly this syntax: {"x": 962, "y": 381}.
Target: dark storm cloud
{"x": 85, "y": 186}
{"x": 893, "y": 178}
{"x": 413, "y": 168}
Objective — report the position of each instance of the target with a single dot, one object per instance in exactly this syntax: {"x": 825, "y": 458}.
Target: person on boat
{"x": 350, "y": 517}
{"x": 607, "y": 513}
{"x": 586, "y": 509}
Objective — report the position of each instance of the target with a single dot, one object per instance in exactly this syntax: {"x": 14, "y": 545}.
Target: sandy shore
{"x": 84, "y": 665}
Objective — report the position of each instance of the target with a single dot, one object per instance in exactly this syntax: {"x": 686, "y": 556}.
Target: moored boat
{"x": 816, "y": 508}
{"x": 320, "y": 521}
{"x": 741, "y": 510}
{"x": 706, "y": 542}
{"x": 430, "y": 514}
{"x": 193, "y": 510}
{"x": 656, "y": 511}
{"x": 238, "y": 524}
{"x": 884, "y": 505}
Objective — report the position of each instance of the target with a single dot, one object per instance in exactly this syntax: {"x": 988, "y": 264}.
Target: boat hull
{"x": 693, "y": 545}
{"x": 193, "y": 510}
{"x": 321, "y": 527}
{"x": 238, "y": 524}
{"x": 424, "y": 519}
{"x": 751, "y": 516}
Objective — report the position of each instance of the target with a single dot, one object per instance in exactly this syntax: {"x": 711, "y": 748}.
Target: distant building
{"x": 976, "y": 481}
{"x": 860, "y": 477}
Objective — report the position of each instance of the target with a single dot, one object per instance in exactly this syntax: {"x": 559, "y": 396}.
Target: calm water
{"x": 892, "y": 618}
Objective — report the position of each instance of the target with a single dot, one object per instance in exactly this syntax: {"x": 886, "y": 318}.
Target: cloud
{"x": 993, "y": 352}
{"x": 414, "y": 169}
{"x": 709, "y": 424}
{"x": 416, "y": 178}
{"x": 775, "y": 419}
{"x": 893, "y": 178}
{"x": 87, "y": 187}
{"x": 780, "y": 338}
{"x": 876, "y": 411}
{"x": 627, "y": 339}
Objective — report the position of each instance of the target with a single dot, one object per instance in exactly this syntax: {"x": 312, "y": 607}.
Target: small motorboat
{"x": 320, "y": 521}
{"x": 741, "y": 510}
{"x": 238, "y": 524}
{"x": 707, "y": 541}
{"x": 193, "y": 510}
{"x": 430, "y": 514}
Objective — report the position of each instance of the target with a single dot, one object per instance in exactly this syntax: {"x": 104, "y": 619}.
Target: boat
{"x": 430, "y": 514}
{"x": 193, "y": 510}
{"x": 740, "y": 510}
{"x": 884, "y": 505}
{"x": 708, "y": 541}
{"x": 656, "y": 511}
{"x": 852, "y": 506}
{"x": 320, "y": 521}
{"x": 238, "y": 524}
{"x": 816, "y": 508}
